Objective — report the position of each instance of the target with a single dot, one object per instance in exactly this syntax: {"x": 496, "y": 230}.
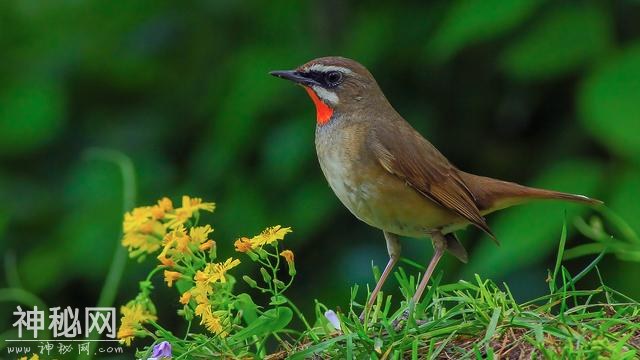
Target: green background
{"x": 545, "y": 93}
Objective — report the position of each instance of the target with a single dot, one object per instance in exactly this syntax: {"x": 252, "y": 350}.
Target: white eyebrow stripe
{"x": 326, "y": 68}
{"x": 326, "y": 95}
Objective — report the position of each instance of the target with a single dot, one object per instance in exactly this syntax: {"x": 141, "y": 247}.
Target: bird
{"x": 392, "y": 178}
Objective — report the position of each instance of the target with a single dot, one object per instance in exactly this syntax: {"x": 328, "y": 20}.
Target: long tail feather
{"x": 492, "y": 194}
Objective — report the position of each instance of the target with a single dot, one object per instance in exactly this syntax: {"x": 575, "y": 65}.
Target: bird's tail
{"x": 492, "y": 194}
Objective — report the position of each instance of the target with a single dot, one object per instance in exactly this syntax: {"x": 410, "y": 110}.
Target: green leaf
{"x": 559, "y": 257}
{"x": 469, "y": 21}
{"x": 269, "y": 322}
{"x": 562, "y": 41}
{"x": 278, "y": 300}
{"x": 317, "y": 348}
{"x": 245, "y": 303}
{"x": 530, "y": 232}
{"x": 609, "y": 103}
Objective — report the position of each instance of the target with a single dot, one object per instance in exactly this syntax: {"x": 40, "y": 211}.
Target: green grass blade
{"x": 559, "y": 256}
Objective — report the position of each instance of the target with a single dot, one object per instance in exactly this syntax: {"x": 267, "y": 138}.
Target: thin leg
{"x": 393, "y": 247}
{"x": 439, "y": 246}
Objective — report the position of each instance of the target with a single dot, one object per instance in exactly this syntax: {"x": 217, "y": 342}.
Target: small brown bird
{"x": 391, "y": 177}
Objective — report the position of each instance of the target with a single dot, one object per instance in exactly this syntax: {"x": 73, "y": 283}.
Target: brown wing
{"x": 406, "y": 154}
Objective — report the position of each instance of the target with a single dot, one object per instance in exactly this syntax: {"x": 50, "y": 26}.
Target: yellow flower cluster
{"x": 134, "y": 314}
{"x": 186, "y": 256}
{"x": 214, "y": 321}
{"x": 148, "y": 229}
{"x": 178, "y": 244}
{"x": 268, "y": 236}
{"x": 145, "y": 227}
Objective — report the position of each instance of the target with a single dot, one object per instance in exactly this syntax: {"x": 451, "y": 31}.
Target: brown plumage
{"x": 391, "y": 177}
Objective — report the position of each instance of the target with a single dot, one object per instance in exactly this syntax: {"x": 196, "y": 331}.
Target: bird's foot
{"x": 401, "y": 321}
{"x": 362, "y": 316}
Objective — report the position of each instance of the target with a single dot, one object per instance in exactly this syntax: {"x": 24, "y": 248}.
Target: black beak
{"x": 295, "y": 76}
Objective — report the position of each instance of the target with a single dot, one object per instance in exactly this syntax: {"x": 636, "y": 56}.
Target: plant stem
{"x": 116, "y": 269}
{"x": 302, "y": 318}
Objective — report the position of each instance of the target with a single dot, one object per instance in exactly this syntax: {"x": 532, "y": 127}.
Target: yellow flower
{"x": 270, "y": 235}
{"x": 184, "y": 299}
{"x": 288, "y": 256}
{"x": 201, "y": 276}
{"x": 184, "y": 213}
{"x": 202, "y": 308}
{"x": 171, "y": 276}
{"x": 181, "y": 239}
{"x": 200, "y": 234}
{"x": 243, "y": 245}
{"x": 165, "y": 261}
{"x": 201, "y": 292}
{"x": 135, "y": 218}
{"x": 178, "y": 218}
{"x": 195, "y": 204}
{"x": 176, "y": 243}
{"x": 215, "y": 272}
{"x": 213, "y": 321}
{"x": 138, "y": 243}
{"x": 158, "y": 211}
{"x": 207, "y": 245}
{"x": 133, "y": 316}
{"x": 213, "y": 324}
{"x": 222, "y": 268}
{"x": 165, "y": 204}
{"x": 205, "y": 278}
{"x": 141, "y": 231}
{"x": 163, "y": 258}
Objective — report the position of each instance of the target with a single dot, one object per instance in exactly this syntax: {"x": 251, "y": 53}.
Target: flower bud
{"x": 250, "y": 281}
{"x": 279, "y": 284}
{"x": 265, "y": 275}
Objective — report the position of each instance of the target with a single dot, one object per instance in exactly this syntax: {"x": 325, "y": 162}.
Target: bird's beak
{"x": 295, "y": 76}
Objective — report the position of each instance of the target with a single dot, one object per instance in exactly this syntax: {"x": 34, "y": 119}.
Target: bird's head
{"x": 334, "y": 84}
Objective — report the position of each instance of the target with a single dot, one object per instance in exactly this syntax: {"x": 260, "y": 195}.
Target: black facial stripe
{"x": 317, "y": 76}
{"x": 320, "y": 77}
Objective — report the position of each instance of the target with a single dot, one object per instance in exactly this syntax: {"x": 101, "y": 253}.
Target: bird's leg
{"x": 393, "y": 247}
{"x": 439, "y": 246}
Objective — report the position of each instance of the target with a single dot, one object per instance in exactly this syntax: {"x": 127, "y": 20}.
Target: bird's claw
{"x": 399, "y": 323}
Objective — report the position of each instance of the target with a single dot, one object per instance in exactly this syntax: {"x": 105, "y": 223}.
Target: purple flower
{"x": 161, "y": 351}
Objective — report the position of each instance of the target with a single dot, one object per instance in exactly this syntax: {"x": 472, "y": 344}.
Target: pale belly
{"x": 382, "y": 200}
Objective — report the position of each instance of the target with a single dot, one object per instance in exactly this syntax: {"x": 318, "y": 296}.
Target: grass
{"x": 481, "y": 319}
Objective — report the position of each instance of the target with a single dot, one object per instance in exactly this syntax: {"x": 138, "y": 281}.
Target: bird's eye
{"x": 333, "y": 78}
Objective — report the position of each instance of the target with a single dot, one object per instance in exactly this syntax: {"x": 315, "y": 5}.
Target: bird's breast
{"x": 373, "y": 195}
{"x": 340, "y": 154}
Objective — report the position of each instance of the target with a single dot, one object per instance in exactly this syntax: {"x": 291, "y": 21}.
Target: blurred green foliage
{"x": 544, "y": 93}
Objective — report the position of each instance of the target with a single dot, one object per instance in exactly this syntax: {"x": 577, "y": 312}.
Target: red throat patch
{"x": 323, "y": 111}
